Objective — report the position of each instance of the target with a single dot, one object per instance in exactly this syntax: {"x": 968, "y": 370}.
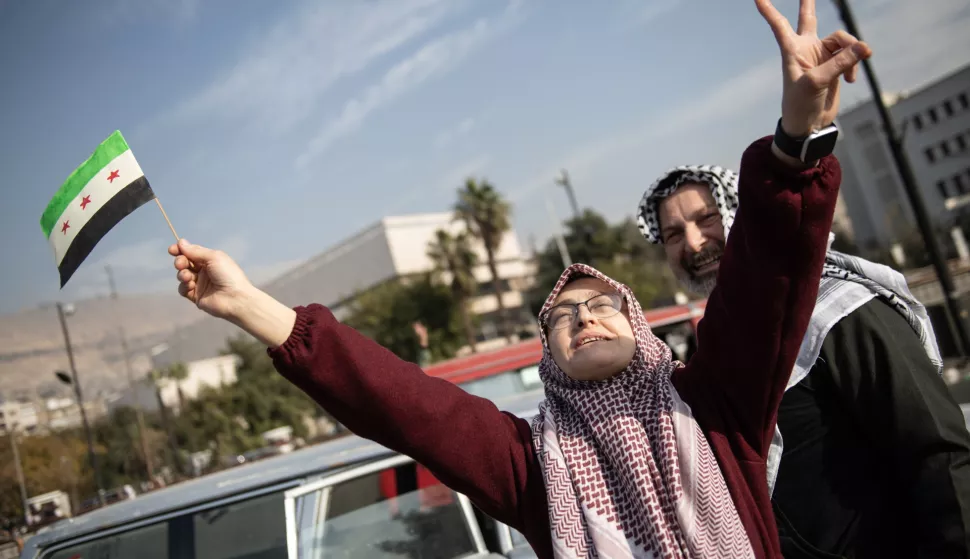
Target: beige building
{"x": 18, "y": 416}
{"x": 394, "y": 247}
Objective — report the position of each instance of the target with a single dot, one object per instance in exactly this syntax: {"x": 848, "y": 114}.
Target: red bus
{"x": 514, "y": 369}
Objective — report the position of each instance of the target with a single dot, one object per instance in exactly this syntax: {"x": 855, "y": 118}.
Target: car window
{"x": 149, "y": 542}
{"x": 251, "y": 529}
{"x": 395, "y": 513}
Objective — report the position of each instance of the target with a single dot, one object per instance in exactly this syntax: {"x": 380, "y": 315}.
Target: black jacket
{"x": 876, "y": 456}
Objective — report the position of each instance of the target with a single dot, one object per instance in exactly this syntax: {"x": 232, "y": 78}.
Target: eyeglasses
{"x": 601, "y": 306}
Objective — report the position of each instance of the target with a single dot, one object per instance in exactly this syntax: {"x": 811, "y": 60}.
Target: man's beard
{"x": 700, "y": 284}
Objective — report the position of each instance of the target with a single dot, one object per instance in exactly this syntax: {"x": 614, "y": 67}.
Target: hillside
{"x": 32, "y": 346}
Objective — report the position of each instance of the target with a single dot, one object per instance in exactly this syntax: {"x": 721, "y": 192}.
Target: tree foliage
{"x": 386, "y": 314}
{"x": 488, "y": 217}
{"x": 453, "y": 256}
{"x": 618, "y": 250}
{"x": 228, "y": 421}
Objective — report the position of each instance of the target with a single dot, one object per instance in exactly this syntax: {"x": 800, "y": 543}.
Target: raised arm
{"x": 766, "y": 287}
{"x": 768, "y": 277}
{"x": 466, "y": 441}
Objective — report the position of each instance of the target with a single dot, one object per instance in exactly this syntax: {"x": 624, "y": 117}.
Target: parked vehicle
{"x": 515, "y": 369}
{"x": 322, "y": 501}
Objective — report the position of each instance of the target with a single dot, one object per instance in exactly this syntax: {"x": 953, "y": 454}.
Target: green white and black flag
{"x": 99, "y": 193}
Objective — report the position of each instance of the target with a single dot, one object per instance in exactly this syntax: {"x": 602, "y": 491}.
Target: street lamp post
{"x": 62, "y": 316}
{"x": 581, "y": 228}
{"x": 11, "y": 431}
{"x": 953, "y": 310}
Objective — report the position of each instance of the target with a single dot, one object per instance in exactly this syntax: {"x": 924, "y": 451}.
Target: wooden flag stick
{"x": 167, "y": 220}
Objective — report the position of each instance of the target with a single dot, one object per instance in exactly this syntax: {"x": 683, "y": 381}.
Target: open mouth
{"x": 590, "y": 340}
{"x": 706, "y": 265}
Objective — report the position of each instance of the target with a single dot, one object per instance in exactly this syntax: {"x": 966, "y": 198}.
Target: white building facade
{"x": 18, "y": 416}
{"x": 394, "y": 247}
{"x": 935, "y": 123}
{"x": 215, "y": 373}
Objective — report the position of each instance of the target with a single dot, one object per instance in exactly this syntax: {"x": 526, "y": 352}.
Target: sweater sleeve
{"x": 465, "y": 441}
{"x": 766, "y": 287}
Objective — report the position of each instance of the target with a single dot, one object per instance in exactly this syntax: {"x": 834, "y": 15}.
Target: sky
{"x": 273, "y": 130}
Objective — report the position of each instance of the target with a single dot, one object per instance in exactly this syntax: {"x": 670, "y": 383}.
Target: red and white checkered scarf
{"x": 628, "y": 472}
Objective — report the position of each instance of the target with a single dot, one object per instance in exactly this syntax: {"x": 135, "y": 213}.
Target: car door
{"x": 383, "y": 509}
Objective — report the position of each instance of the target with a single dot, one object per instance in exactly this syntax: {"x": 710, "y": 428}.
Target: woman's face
{"x": 591, "y": 341}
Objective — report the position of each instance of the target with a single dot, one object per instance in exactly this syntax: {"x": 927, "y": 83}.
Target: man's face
{"x": 693, "y": 236}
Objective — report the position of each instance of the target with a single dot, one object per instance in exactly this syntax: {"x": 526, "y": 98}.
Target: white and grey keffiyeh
{"x": 847, "y": 282}
{"x": 628, "y": 472}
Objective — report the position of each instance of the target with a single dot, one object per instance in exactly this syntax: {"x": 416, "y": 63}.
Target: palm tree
{"x": 453, "y": 254}
{"x": 487, "y": 217}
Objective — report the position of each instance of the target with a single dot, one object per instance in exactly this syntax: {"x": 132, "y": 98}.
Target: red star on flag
{"x": 65, "y": 227}
{"x": 85, "y": 201}
{"x": 113, "y": 176}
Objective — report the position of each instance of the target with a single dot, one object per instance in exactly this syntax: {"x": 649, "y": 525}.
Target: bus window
{"x": 149, "y": 542}
{"x": 494, "y": 387}
{"x": 530, "y": 377}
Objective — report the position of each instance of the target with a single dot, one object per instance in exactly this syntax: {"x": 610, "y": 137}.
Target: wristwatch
{"x": 815, "y": 146}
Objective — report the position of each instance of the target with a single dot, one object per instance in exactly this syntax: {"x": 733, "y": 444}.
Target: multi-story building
{"x": 18, "y": 416}
{"x": 393, "y": 248}
{"x": 935, "y": 123}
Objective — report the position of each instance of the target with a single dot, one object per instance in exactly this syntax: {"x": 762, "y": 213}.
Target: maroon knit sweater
{"x": 747, "y": 344}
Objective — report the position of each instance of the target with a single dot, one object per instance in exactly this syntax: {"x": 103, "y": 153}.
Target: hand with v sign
{"x": 811, "y": 68}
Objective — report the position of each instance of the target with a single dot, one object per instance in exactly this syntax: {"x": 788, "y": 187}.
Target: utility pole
{"x": 563, "y": 181}
{"x": 953, "y": 311}
{"x": 11, "y": 432}
{"x": 557, "y": 234}
{"x": 139, "y": 416}
{"x": 80, "y": 403}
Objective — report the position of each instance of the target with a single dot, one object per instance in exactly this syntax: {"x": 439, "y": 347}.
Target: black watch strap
{"x": 810, "y": 148}
{"x": 788, "y": 145}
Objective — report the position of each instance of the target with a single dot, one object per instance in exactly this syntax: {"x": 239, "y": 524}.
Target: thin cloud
{"x": 449, "y": 136}
{"x": 435, "y": 58}
{"x": 450, "y": 181}
{"x": 637, "y": 14}
{"x": 744, "y": 92}
{"x": 281, "y": 79}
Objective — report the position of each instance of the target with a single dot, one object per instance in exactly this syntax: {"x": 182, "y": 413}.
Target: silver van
{"x": 345, "y": 499}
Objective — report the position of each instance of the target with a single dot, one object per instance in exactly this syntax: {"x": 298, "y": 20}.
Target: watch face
{"x": 821, "y": 145}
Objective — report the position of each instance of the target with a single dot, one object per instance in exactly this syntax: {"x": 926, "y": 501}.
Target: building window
{"x": 964, "y": 102}
{"x": 941, "y": 186}
{"x": 945, "y": 148}
{"x": 961, "y": 142}
{"x": 918, "y": 122}
{"x": 948, "y": 107}
{"x": 933, "y": 116}
{"x": 960, "y": 184}
{"x": 930, "y": 154}
{"x": 866, "y": 131}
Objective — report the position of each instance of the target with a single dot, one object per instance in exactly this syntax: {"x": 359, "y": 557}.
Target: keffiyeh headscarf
{"x": 628, "y": 472}
{"x": 847, "y": 282}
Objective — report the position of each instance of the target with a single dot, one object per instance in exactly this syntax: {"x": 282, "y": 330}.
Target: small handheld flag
{"x": 95, "y": 197}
